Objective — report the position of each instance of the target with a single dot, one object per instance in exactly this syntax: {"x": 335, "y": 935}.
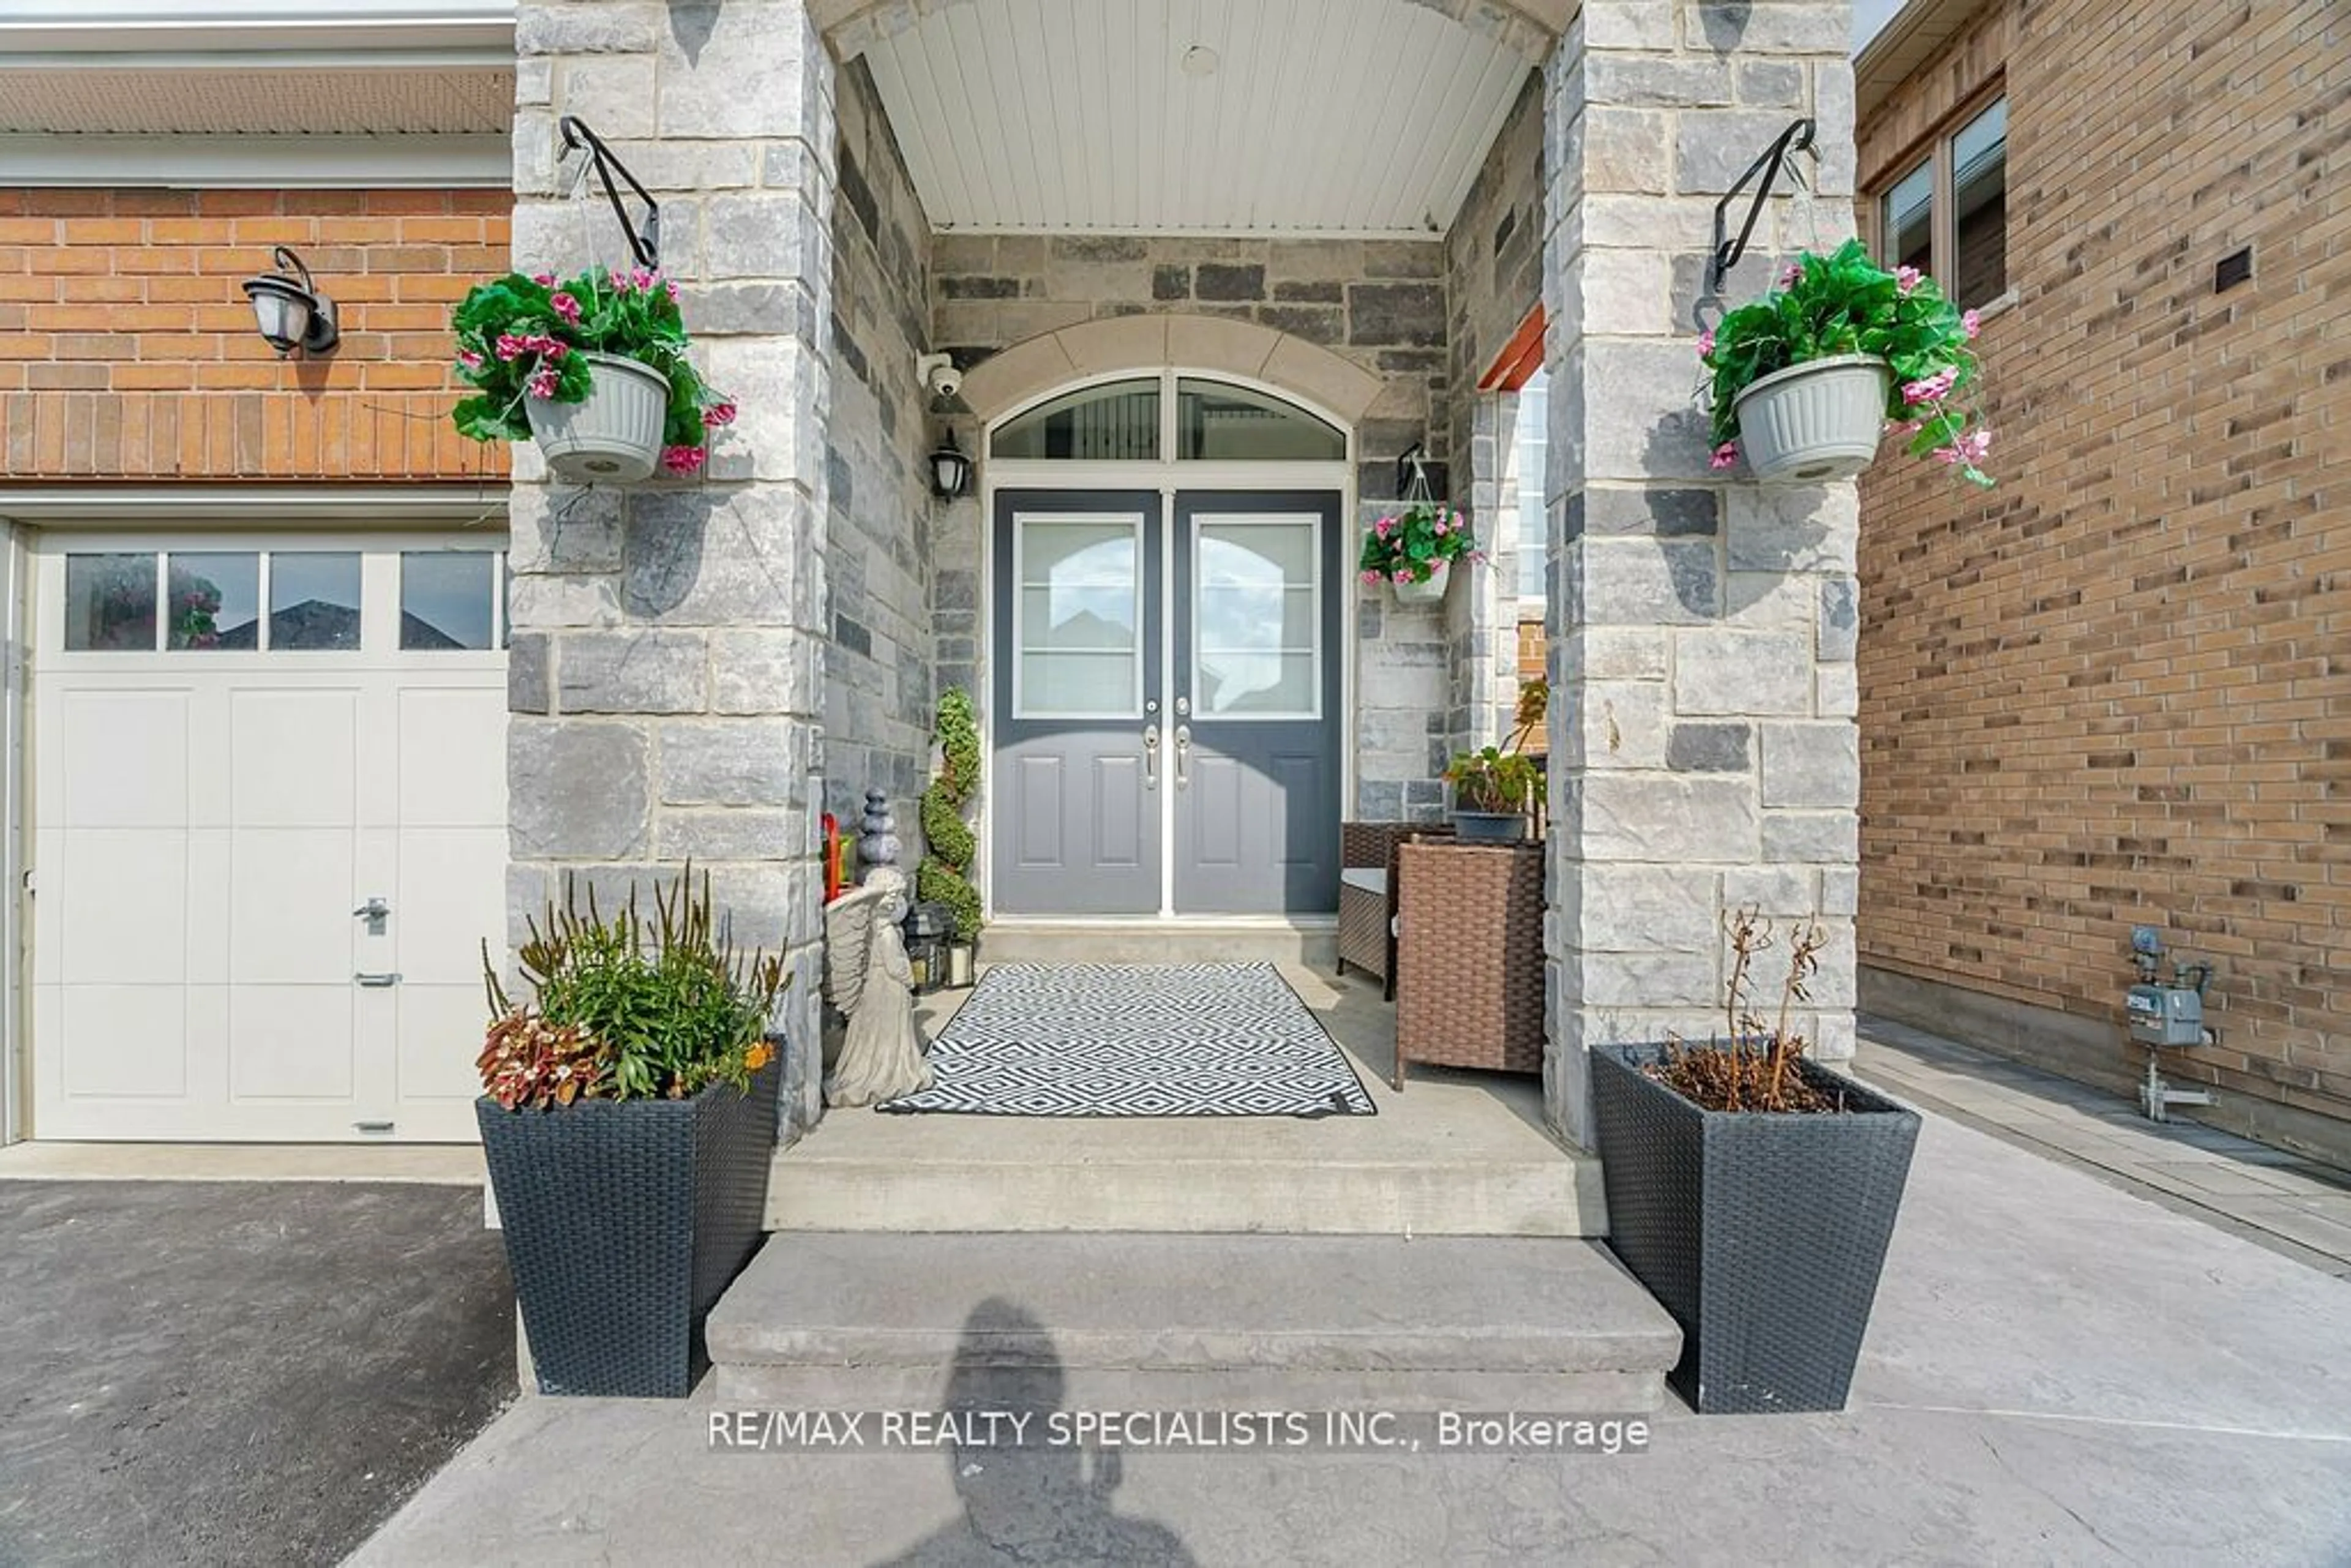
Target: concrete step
{"x": 1450, "y": 1157}
{"x": 1111, "y": 939}
{"x": 847, "y": 1321}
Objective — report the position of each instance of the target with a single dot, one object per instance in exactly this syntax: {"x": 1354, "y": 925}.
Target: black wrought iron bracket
{"x": 644, "y": 243}
{"x": 1797, "y": 138}
{"x": 1411, "y": 465}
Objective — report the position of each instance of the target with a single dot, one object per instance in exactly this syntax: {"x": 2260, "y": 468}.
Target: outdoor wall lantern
{"x": 950, "y": 470}
{"x": 288, "y": 308}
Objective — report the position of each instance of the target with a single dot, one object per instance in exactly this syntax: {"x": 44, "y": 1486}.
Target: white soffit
{"x": 481, "y": 31}
{"x": 1318, "y": 117}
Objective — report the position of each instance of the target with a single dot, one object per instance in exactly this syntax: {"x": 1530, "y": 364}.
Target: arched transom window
{"x": 1136, "y": 420}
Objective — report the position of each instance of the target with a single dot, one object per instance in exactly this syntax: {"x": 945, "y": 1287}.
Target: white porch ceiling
{"x": 1320, "y": 117}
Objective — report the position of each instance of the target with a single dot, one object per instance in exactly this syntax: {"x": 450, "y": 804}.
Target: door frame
{"x": 1169, "y": 477}
{"x": 32, "y": 516}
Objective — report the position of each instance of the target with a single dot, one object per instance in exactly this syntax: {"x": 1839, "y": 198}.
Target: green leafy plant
{"x": 626, "y": 1008}
{"x": 1846, "y": 303}
{"x": 944, "y": 877}
{"x": 520, "y": 337}
{"x": 1503, "y": 779}
{"x": 1410, "y": 545}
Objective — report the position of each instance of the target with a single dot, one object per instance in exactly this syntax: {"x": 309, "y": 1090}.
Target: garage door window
{"x": 110, "y": 603}
{"x": 314, "y": 600}
{"x": 212, "y": 600}
{"x": 448, "y": 600}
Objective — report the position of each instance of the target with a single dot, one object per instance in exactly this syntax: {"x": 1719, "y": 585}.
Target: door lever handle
{"x": 1183, "y": 749}
{"x": 1151, "y": 757}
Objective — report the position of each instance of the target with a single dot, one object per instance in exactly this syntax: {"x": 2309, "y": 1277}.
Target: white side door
{"x": 240, "y": 745}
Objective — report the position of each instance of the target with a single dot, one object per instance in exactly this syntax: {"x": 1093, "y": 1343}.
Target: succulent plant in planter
{"x": 1753, "y": 1192}
{"x": 594, "y": 369}
{"x": 1804, "y": 382}
{"x": 628, "y": 1119}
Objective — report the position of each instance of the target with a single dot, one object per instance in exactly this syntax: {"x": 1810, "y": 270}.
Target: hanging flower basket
{"x": 1429, "y": 590}
{"x": 613, "y": 435}
{"x": 1804, "y": 382}
{"x": 593, "y": 369}
{"x": 1815, "y": 422}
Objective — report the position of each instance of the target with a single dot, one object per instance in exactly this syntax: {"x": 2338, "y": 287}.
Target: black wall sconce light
{"x": 289, "y": 309}
{"x": 950, "y": 469}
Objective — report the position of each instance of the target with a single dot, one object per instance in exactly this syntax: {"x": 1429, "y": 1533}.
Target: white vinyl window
{"x": 1948, "y": 214}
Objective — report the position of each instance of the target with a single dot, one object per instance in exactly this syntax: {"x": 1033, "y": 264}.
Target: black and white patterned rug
{"x": 1112, "y": 1039}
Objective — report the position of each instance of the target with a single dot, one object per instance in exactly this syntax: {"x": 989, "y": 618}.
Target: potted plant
{"x": 1753, "y": 1192}
{"x": 944, "y": 877}
{"x": 1492, "y": 786}
{"x": 594, "y": 369}
{"x": 1414, "y": 549}
{"x": 628, "y": 1121}
{"x": 1804, "y": 382}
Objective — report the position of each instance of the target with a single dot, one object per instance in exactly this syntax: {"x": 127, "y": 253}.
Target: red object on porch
{"x": 1521, "y": 357}
{"x": 831, "y": 857}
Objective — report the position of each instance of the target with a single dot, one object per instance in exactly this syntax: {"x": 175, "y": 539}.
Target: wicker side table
{"x": 1469, "y": 956}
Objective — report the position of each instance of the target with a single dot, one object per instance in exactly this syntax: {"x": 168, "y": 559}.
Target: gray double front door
{"x": 1167, "y": 689}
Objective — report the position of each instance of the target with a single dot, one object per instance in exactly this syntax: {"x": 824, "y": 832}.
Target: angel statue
{"x": 870, "y": 979}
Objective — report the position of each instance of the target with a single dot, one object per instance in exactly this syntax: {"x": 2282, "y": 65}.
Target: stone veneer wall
{"x": 1380, "y": 303}
{"x": 1493, "y": 264}
{"x": 668, "y": 649}
{"x": 1705, "y": 750}
{"x": 878, "y": 558}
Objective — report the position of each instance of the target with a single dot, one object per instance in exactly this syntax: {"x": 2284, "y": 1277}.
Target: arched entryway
{"x": 1168, "y": 627}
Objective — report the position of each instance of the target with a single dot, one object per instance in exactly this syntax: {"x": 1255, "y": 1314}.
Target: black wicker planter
{"x": 1762, "y": 1235}
{"x": 625, "y": 1222}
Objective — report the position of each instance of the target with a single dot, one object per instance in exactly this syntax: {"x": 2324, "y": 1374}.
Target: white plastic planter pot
{"x": 1430, "y": 592}
{"x": 1814, "y": 422}
{"x": 613, "y": 435}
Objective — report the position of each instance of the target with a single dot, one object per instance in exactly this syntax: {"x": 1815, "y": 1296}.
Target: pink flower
{"x": 718, "y": 413}
{"x": 510, "y": 347}
{"x": 544, "y": 279}
{"x": 470, "y": 359}
{"x": 619, "y": 279}
{"x": 1705, "y": 343}
{"x": 1442, "y": 529}
{"x": 1971, "y": 322}
{"x": 1789, "y": 273}
{"x": 1372, "y": 578}
{"x": 1404, "y": 574}
{"x": 1724, "y": 456}
{"x": 543, "y": 382}
{"x": 1383, "y": 526}
{"x": 669, "y": 286}
{"x": 1930, "y": 388}
{"x": 684, "y": 459}
{"x": 567, "y": 307}
{"x": 642, "y": 278}
{"x": 1907, "y": 278}
{"x": 1968, "y": 449}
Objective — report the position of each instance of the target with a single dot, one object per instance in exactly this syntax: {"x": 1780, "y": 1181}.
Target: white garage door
{"x": 269, "y": 834}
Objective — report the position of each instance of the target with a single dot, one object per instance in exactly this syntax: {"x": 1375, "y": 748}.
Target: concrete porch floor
{"x": 1455, "y": 1153}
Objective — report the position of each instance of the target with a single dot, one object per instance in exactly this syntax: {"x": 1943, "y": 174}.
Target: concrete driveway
{"x": 237, "y": 1372}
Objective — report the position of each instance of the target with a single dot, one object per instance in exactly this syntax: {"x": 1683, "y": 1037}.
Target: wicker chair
{"x": 1469, "y": 970}
{"x": 1367, "y": 899}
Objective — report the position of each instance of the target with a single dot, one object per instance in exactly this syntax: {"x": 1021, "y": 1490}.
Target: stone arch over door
{"x": 1529, "y": 26}
{"x": 1028, "y": 369}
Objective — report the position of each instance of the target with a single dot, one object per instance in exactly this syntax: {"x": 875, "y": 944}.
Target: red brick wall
{"x": 2117, "y": 689}
{"x": 128, "y": 350}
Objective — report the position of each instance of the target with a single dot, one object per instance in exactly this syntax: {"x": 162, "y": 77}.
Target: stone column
{"x": 1704, "y": 747}
{"x": 668, "y": 640}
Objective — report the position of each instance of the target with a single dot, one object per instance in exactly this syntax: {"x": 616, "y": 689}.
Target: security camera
{"x": 939, "y": 374}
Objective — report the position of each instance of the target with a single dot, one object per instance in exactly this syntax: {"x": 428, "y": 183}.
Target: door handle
{"x": 375, "y": 908}
{"x": 1151, "y": 757}
{"x": 1183, "y": 749}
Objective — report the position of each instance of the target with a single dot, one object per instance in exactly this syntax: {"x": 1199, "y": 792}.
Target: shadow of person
{"x": 1031, "y": 1501}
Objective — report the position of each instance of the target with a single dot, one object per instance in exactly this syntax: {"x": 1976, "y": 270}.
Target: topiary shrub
{"x": 944, "y": 875}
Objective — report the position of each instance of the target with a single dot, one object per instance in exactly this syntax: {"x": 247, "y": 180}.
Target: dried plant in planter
{"x": 1758, "y": 1068}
